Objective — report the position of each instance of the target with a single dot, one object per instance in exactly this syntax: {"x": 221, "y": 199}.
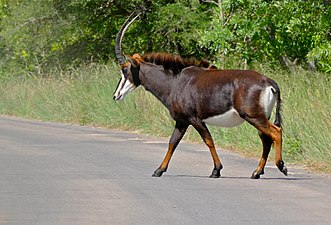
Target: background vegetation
{"x": 56, "y": 62}
{"x": 38, "y": 35}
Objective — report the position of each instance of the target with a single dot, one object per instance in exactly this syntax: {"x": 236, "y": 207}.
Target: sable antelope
{"x": 196, "y": 95}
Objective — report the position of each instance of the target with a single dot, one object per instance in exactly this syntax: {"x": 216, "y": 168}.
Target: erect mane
{"x": 174, "y": 62}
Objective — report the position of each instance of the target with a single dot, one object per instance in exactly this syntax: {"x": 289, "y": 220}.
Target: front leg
{"x": 206, "y": 136}
{"x": 177, "y": 135}
{"x": 267, "y": 142}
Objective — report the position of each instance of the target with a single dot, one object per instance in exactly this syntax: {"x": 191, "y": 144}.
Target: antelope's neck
{"x": 157, "y": 81}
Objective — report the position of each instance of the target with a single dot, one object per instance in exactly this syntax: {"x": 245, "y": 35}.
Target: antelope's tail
{"x": 278, "y": 119}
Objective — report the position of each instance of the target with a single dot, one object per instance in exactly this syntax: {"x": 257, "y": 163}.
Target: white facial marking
{"x": 230, "y": 118}
{"x": 123, "y": 88}
{"x": 267, "y": 100}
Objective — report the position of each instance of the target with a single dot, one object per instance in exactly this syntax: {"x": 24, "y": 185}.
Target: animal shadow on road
{"x": 240, "y": 178}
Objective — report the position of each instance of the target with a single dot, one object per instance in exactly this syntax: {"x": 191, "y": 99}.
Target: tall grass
{"x": 84, "y": 96}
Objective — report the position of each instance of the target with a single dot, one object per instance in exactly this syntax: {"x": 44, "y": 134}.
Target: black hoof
{"x": 256, "y": 175}
{"x": 158, "y": 173}
{"x": 215, "y": 174}
{"x": 284, "y": 171}
{"x": 282, "y": 168}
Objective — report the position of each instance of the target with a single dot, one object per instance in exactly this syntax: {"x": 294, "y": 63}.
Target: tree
{"x": 177, "y": 27}
{"x": 263, "y": 30}
{"x": 41, "y": 35}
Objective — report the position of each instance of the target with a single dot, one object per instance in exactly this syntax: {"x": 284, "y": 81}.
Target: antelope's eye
{"x": 125, "y": 72}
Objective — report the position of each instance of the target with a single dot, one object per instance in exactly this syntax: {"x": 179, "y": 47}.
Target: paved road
{"x": 60, "y": 174}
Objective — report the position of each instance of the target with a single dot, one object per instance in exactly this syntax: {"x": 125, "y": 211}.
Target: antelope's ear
{"x": 137, "y": 58}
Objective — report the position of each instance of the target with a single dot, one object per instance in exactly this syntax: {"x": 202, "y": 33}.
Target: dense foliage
{"x": 38, "y": 35}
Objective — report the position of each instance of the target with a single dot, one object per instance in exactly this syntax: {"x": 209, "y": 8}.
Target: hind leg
{"x": 274, "y": 133}
{"x": 278, "y": 146}
{"x": 267, "y": 142}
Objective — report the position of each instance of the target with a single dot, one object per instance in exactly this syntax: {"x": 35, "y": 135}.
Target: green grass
{"x": 84, "y": 96}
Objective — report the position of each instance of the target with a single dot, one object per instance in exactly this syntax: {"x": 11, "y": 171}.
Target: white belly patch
{"x": 229, "y": 119}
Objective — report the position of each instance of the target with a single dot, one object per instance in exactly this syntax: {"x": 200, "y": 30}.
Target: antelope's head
{"x": 129, "y": 65}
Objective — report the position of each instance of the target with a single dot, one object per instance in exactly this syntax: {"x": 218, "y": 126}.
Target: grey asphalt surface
{"x": 62, "y": 174}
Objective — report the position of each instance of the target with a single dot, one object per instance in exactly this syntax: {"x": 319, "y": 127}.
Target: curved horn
{"x": 120, "y": 36}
